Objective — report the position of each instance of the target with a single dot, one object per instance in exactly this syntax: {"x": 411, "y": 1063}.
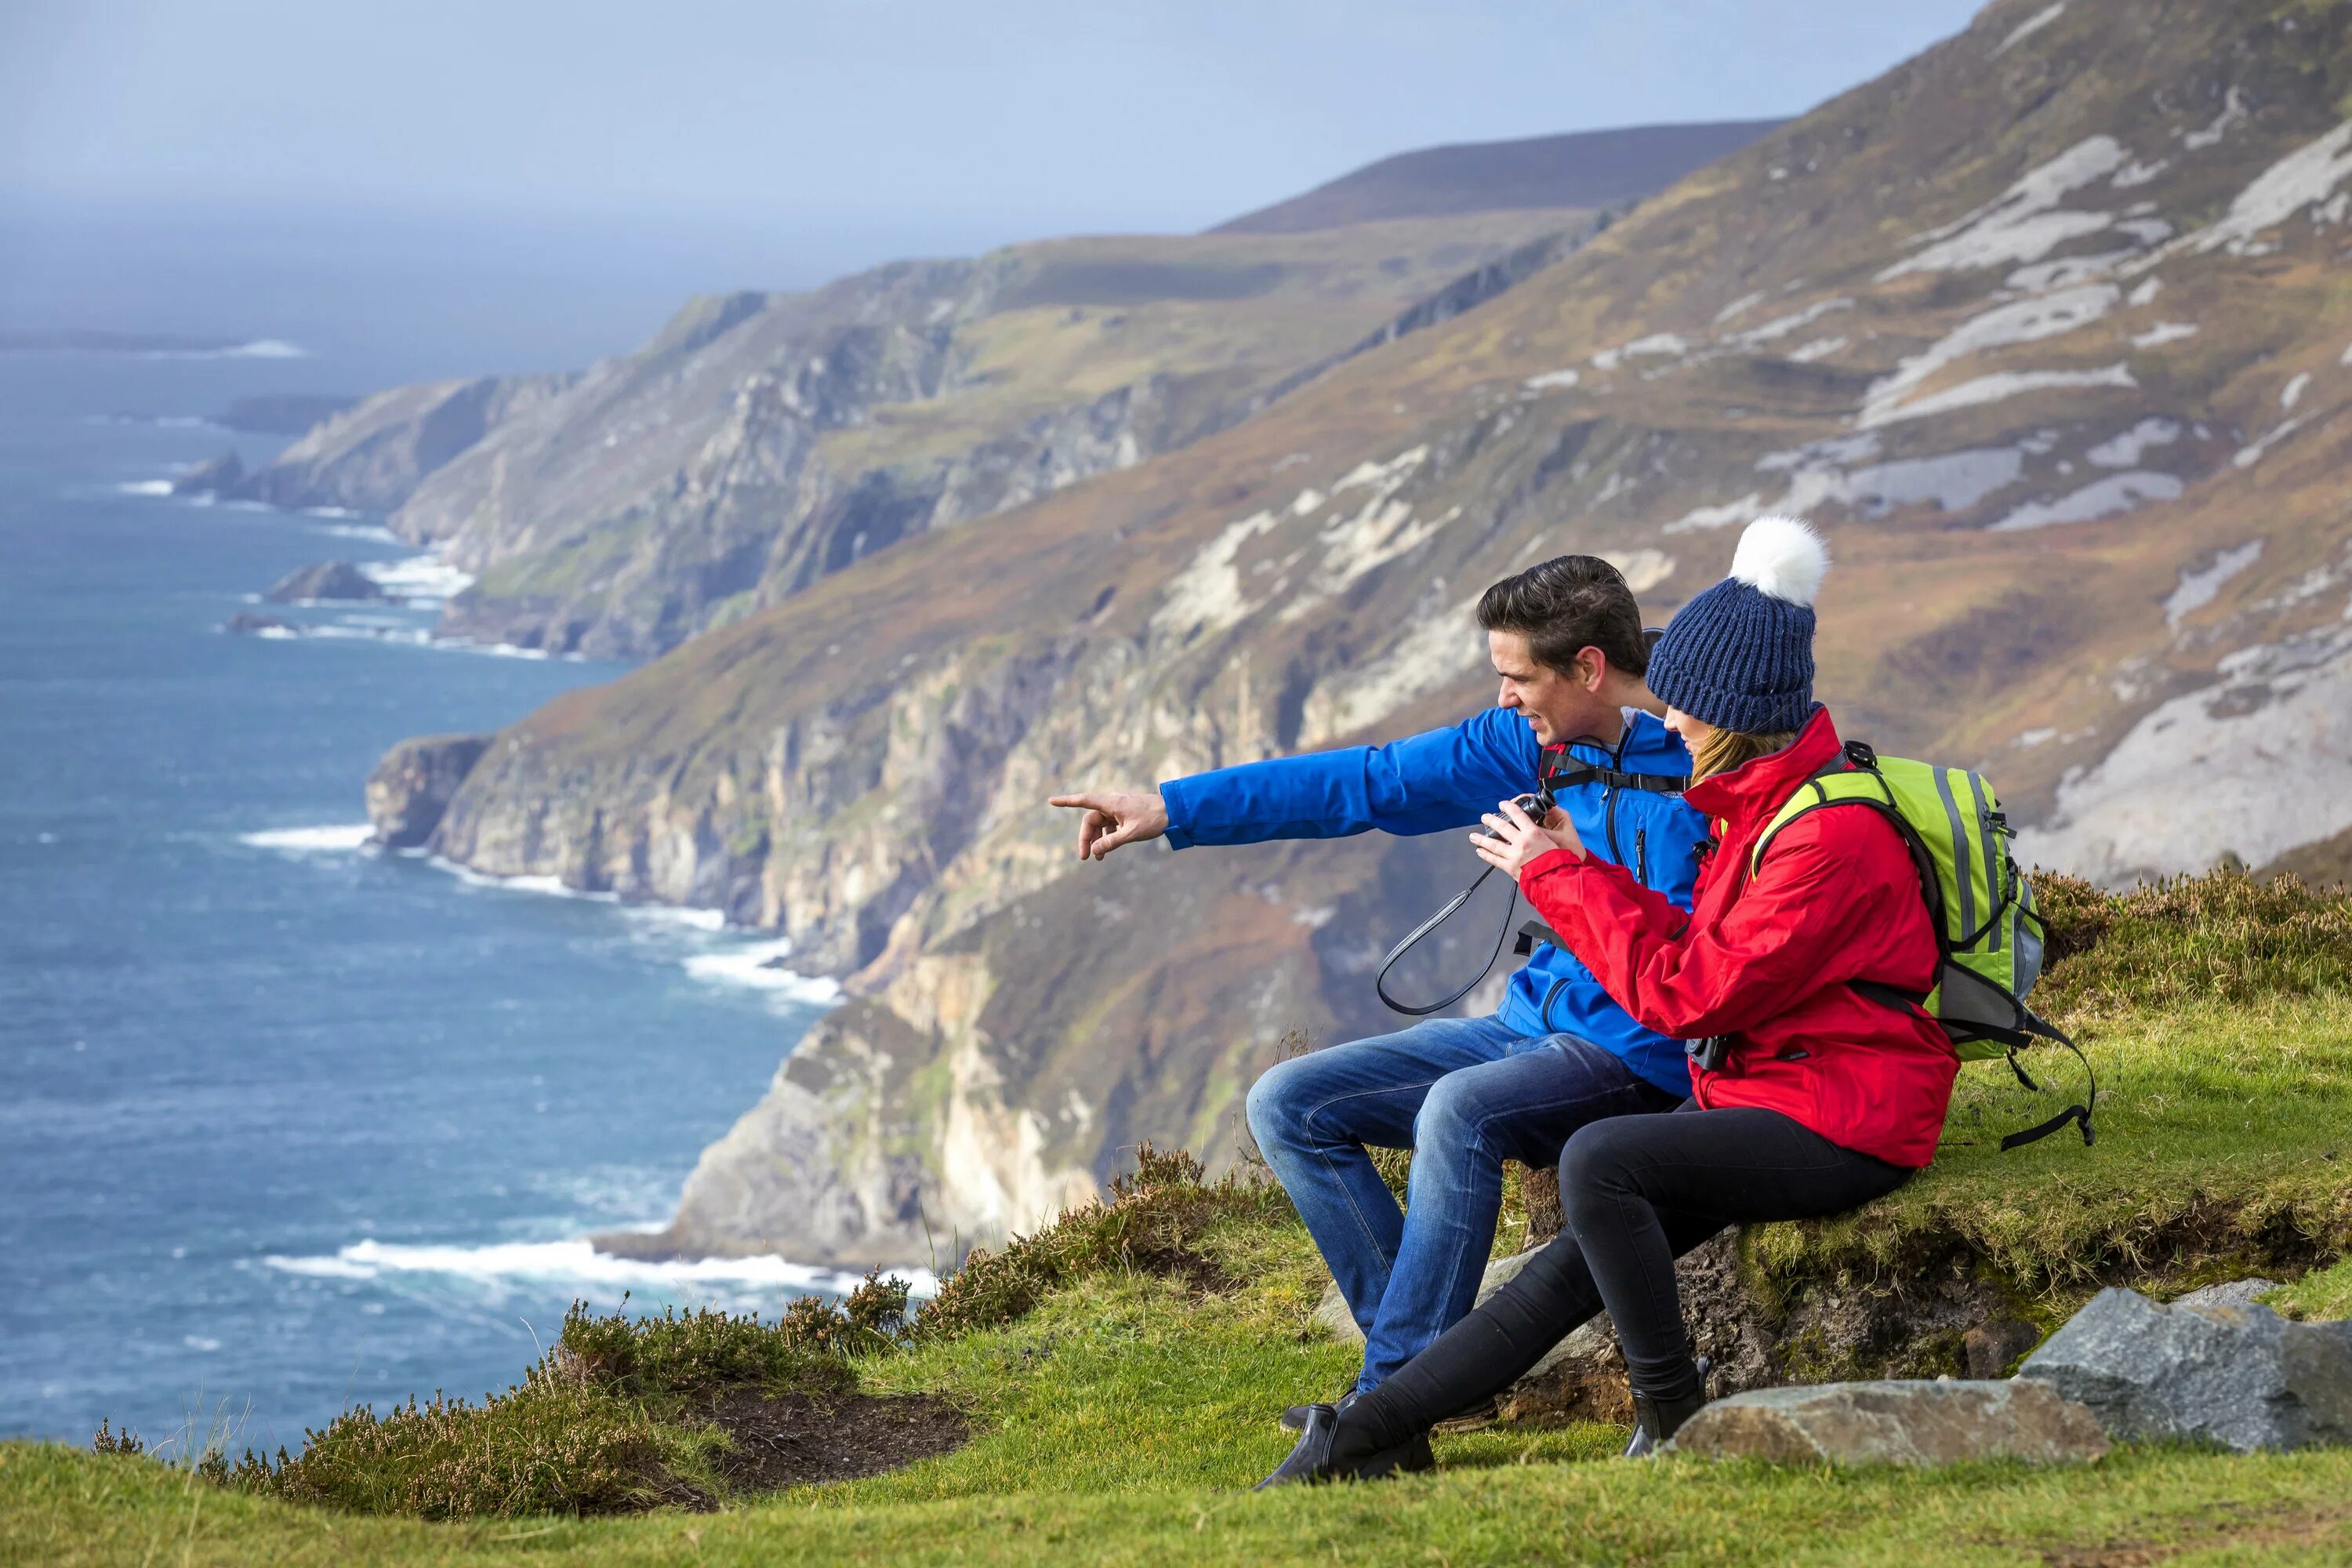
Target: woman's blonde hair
{"x": 1728, "y": 749}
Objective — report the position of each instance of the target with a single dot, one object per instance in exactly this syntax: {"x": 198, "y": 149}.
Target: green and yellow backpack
{"x": 1983, "y": 908}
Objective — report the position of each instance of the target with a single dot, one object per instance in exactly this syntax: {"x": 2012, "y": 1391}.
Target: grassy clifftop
{"x": 1117, "y": 1373}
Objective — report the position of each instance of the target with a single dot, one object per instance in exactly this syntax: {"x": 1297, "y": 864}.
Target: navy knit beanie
{"x": 1740, "y": 656}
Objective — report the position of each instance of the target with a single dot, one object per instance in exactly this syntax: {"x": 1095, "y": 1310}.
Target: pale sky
{"x": 1027, "y": 116}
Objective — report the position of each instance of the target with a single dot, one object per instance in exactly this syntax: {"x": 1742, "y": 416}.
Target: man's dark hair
{"x": 1566, "y": 604}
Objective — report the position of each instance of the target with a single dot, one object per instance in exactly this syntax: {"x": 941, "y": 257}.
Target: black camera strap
{"x": 1559, "y": 771}
{"x": 1381, "y": 981}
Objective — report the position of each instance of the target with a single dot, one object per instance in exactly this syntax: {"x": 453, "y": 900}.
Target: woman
{"x": 1807, "y": 1096}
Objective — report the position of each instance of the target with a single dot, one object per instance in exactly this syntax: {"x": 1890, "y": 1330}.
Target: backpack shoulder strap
{"x": 1852, "y": 780}
{"x": 1561, "y": 770}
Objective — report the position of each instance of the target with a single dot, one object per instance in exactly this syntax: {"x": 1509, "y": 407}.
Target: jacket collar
{"x": 1755, "y": 789}
{"x": 1646, "y": 746}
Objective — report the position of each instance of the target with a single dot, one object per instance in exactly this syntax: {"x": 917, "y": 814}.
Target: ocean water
{"x": 287, "y": 1124}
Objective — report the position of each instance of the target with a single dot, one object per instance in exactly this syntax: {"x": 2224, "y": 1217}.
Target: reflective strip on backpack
{"x": 1962, "y": 872}
{"x": 1992, "y": 858}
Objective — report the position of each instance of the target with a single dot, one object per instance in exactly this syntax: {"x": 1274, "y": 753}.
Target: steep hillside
{"x": 2045, "y": 326}
{"x": 1583, "y": 168}
{"x": 763, "y": 440}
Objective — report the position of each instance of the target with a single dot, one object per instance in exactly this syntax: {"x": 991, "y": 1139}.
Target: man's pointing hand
{"x": 1113, "y": 818}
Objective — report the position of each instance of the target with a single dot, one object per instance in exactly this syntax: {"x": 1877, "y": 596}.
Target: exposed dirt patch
{"x": 2246, "y": 1529}
{"x": 795, "y": 1438}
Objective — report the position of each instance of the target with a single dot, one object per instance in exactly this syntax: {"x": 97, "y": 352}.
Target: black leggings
{"x": 1638, "y": 1191}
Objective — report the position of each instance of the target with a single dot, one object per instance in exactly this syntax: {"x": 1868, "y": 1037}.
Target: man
{"x": 1464, "y": 1094}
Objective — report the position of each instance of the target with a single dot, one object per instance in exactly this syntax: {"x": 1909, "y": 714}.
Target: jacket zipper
{"x": 1543, "y": 1013}
{"x": 1642, "y": 856}
{"x": 1611, "y": 792}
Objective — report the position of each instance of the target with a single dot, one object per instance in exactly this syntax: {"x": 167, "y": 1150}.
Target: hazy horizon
{"x": 553, "y": 183}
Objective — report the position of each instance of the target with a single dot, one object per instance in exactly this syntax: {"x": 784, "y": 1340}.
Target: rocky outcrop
{"x": 284, "y": 413}
{"x": 217, "y": 475}
{"x": 414, "y": 784}
{"x": 1896, "y": 1423}
{"x": 764, "y": 441}
{"x": 327, "y": 580}
{"x": 254, "y": 624}
{"x": 373, "y": 457}
{"x": 2235, "y": 1375}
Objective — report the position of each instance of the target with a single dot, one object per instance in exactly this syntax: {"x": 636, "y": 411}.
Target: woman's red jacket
{"x": 1764, "y": 959}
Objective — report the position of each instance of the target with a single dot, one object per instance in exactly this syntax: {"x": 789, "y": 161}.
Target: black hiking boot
{"x": 1295, "y": 1419}
{"x": 1311, "y": 1460}
{"x": 1656, "y": 1420}
{"x": 1477, "y": 1418}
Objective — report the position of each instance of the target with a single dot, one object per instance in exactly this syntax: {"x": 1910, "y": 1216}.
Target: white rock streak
{"x": 2019, "y": 322}
{"x": 2254, "y": 764}
{"x": 2300, "y": 179}
{"x": 2025, "y": 223}
{"x": 1206, "y": 595}
{"x": 2030, "y": 26}
{"x": 2198, "y": 588}
{"x": 2101, "y": 498}
{"x": 2004, "y": 384}
{"x": 2122, "y": 451}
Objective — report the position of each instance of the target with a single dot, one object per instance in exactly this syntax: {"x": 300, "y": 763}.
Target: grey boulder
{"x": 1896, "y": 1423}
{"x": 2232, "y": 1373}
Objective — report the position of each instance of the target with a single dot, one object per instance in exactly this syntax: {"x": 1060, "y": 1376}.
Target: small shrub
{"x": 552, "y": 1446}
{"x": 1153, "y": 1223}
{"x": 106, "y": 1440}
{"x": 681, "y": 1355}
{"x": 605, "y": 1423}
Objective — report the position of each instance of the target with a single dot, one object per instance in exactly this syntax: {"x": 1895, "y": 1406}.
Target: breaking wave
{"x": 576, "y": 1267}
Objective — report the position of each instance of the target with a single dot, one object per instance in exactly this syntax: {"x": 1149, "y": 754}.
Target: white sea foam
{"x": 552, "y": 887}
{"x": 676, "y": 914}
{"x": 341, "y": 838}
{"x": 576, "y": 1264}
{"x": 425, "y": 576}
{"x": 755, "y": 965}
{"x": 374, "y": 532}
{"x": 257, "y": 348}
{"x": 145, "y": 488}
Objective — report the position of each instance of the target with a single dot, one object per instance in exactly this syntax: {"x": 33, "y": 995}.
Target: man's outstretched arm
{"x": 1426, "y": 784}
{"x": 1114, "y": 818}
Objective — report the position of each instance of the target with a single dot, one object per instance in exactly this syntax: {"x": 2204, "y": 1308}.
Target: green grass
{"x": 2225, "y": 1141}
{"x": 1120, "y": 1369}
{"x": 2323, "y": 1296}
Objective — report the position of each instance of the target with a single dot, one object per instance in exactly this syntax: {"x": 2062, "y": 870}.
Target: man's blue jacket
{"x": 1449, "y": 779}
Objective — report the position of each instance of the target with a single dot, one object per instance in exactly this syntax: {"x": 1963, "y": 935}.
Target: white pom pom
{"x": 1782, "y": 556}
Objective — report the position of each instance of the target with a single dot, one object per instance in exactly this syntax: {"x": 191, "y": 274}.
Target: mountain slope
{"x": 1581, "y": 169}
{"x": 2043, "y": 326}
{"x": 763, "y": 440}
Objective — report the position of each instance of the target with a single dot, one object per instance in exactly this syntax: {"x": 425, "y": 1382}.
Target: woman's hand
{"x": 1513, "y": 838}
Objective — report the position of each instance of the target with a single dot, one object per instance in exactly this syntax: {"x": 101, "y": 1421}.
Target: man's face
{"x": 1558, "y": 705}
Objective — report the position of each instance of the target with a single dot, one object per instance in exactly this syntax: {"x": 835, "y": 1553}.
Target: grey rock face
{"x": 327, "y": 580}
{"x": 2235, "y": 1293}
{"x": 219, "y": 475}
{"x": 1898, "y": 1422}
{"x": 254, "y": 624}
{"x": 412, "y": 785}
{"x": 2239, "y": 1376}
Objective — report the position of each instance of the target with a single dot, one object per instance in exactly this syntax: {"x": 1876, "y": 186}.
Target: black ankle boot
{"x": 1656, "y": 1419}
{"x": 1315, "y": 1458}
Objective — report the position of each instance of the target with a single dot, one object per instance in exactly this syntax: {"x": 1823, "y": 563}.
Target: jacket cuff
{"x": 1549, "y": 862}
{"x": 1171, "y": 796}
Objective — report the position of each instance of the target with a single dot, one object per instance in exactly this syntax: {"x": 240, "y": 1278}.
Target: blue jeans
{"x": 1465, "y": 1095}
